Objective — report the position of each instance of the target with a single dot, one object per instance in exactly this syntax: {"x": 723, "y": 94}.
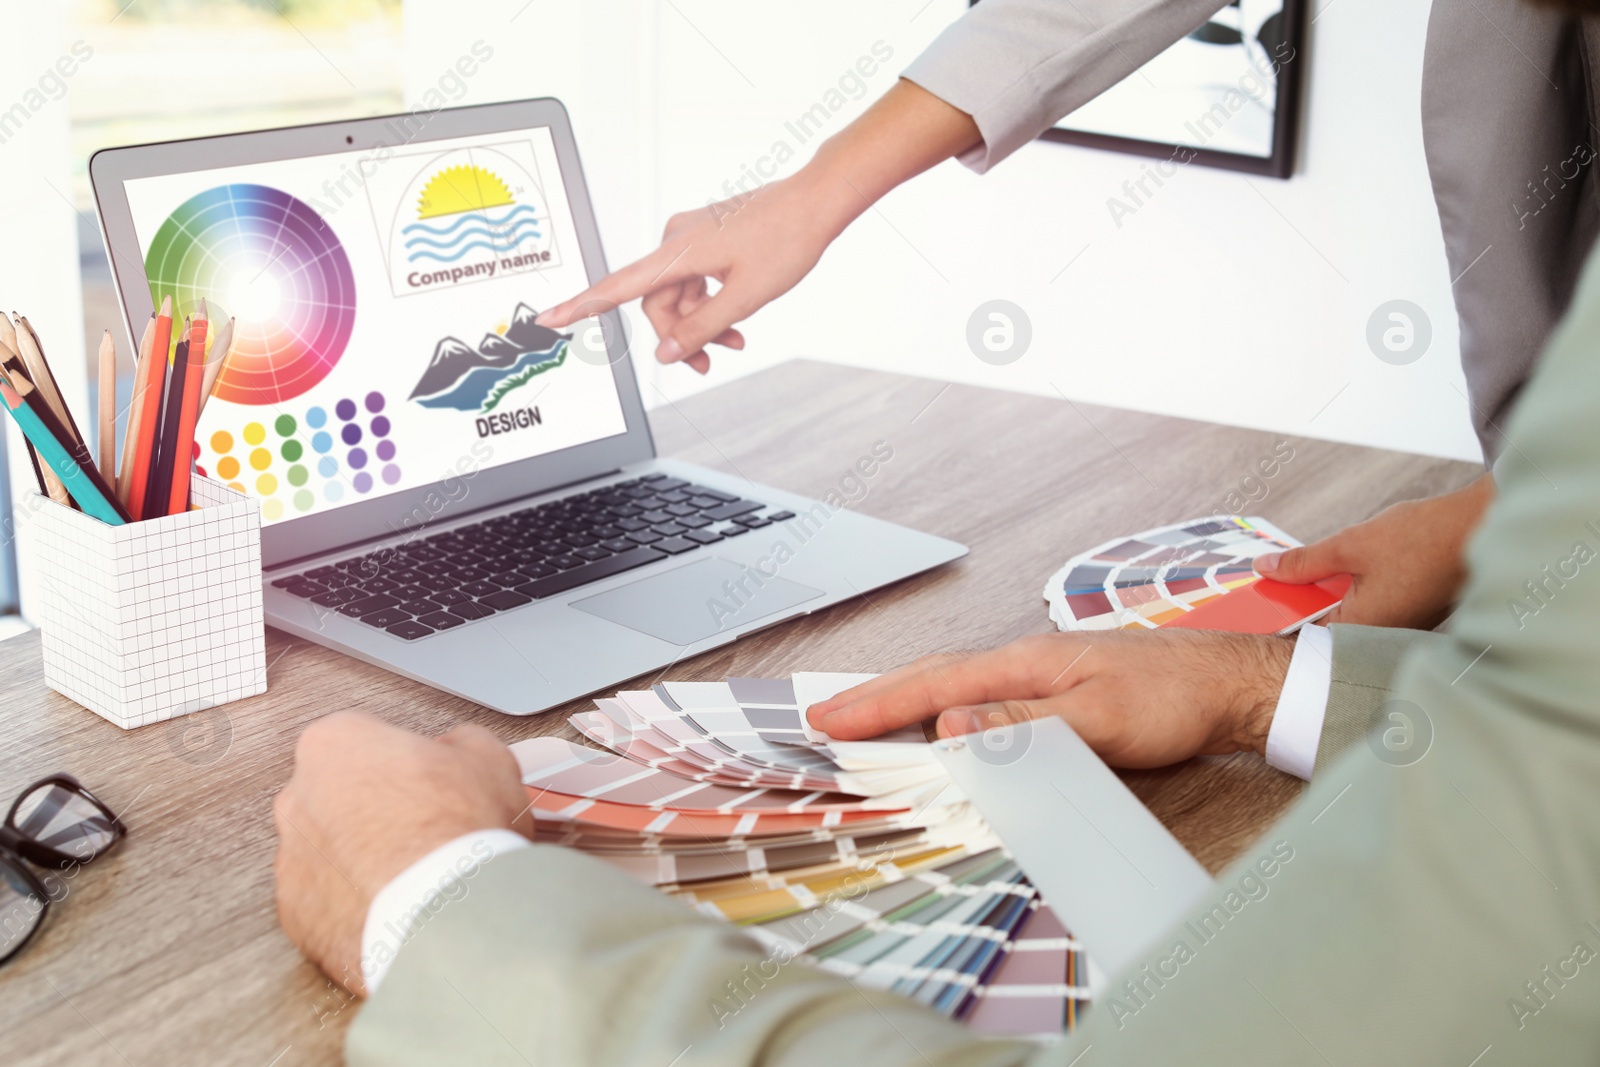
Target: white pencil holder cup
{"x": 151, "y": 620}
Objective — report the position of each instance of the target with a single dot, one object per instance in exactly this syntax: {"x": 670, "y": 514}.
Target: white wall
{"x": 1240, "y": 300}
{"x": 39, "y": 270}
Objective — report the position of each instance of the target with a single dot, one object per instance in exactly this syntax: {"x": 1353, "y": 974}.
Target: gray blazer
{"x": 1508, "y": 120}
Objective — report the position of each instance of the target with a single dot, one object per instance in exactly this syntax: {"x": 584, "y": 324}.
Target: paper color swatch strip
{"x": 861, "y": 857}
{"x": 1266, "y": 607}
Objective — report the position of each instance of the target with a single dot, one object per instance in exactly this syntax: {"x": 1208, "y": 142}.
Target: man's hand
{"x": 1406, "y": 563}
{"x": 1140, "y": 699}
{"x": 365, "y": 801}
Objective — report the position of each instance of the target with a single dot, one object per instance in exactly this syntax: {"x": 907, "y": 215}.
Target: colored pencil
{"x": 72, "y": 466}
{"x": 136, "y": 407}
{"x": 160, "y": 488}
{"x": 148, "y": 403}
{"x": 151, "y": 429}
{"x": 107, "y": 413}
{"x": 44, "y": 381}
{"x": 11, "y": 363}
{"x": 39, "y": 472}
{"x": 49, "y": 484}
{"x": 219, "y": 355}
{"x": 48, "y": 395}
{"x": 188, "y": 397}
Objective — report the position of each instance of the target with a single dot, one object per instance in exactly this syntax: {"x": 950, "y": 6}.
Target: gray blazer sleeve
{"x": 1018, "y": 66}
{"x": 1365, "y": 659}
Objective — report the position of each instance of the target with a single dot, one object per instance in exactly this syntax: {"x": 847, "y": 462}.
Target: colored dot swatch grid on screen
{"x": 269, "y": 260}
{"x": 292, "y": 463}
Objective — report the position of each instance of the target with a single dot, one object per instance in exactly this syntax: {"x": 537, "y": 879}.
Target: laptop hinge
{"x": 422, "y": 528}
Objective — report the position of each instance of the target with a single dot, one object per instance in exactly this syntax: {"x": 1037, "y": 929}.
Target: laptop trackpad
{"x": 708, "y": 597}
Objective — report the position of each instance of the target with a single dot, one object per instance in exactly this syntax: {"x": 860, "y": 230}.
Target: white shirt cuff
{"x": 417, "y": 893}
{"x": 1302, "y": 704}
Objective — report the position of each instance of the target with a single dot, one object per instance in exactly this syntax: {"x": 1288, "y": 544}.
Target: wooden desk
{"x": 169, "y": 950}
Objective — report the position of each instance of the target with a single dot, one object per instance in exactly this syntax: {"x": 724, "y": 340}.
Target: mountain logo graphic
{"x": 463, "y": 378}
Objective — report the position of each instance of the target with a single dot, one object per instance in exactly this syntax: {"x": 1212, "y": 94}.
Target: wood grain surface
{"x": 168, "y": 951}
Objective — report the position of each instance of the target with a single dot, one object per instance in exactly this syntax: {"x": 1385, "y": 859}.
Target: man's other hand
{"x": 1139, "y": 699}
{"x": 365, "y": 801}
{"x": 1406, "y": 563}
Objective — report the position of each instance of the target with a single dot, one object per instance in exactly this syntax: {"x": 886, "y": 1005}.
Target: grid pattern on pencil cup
{"x": 151, "y": 620}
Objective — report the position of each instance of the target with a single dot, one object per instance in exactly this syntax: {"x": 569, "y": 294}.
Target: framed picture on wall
{"x": 1227, "y": 95}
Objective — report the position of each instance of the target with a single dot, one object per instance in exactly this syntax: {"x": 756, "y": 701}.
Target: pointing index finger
{"x": 664, "y": 266}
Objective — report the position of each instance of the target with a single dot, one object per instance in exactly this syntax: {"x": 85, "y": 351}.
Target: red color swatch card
{"x": 1266, "y": 607}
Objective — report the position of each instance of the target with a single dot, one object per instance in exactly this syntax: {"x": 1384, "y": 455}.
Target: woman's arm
{"x": 995, "y": 79}
{"x": 757, "y": 245}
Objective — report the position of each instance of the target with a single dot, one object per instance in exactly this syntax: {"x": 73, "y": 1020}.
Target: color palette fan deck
{"x": 1158, "y": 577}
{"x": 862, "y": 857}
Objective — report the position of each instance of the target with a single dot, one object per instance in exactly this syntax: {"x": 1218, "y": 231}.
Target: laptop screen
{"x": 383, "y": 304}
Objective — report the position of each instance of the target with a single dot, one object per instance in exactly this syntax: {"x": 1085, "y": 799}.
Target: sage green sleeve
{"x": 553, "y": 957}
{"x": 1365, "y": 659}
{"x": 1440, "y": 906}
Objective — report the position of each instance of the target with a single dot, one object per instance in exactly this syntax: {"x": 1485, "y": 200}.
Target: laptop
{"x": 449, "y": 490}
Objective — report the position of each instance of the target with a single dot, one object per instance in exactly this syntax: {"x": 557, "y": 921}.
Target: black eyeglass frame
{"x": 17, "y": 850}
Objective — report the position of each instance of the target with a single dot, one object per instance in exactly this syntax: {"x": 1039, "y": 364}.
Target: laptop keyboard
{"x": 471, "y": 572}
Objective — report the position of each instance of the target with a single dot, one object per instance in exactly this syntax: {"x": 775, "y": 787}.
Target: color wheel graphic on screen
{"x": 272, "y": 262}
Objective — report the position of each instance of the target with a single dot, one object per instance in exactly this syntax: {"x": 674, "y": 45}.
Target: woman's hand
{"x": 755, "y": 246}
{"x": 759, "y": 244}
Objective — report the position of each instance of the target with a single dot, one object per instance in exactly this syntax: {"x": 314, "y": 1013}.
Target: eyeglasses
{"x": 56, "y": 824}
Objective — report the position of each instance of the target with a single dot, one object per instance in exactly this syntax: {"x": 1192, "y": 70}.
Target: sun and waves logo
{"x": 465, "y": 209}
{"x": 467, "y": 216}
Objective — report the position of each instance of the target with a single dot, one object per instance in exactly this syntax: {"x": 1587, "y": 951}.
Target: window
{"x": 169, "y": 69}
